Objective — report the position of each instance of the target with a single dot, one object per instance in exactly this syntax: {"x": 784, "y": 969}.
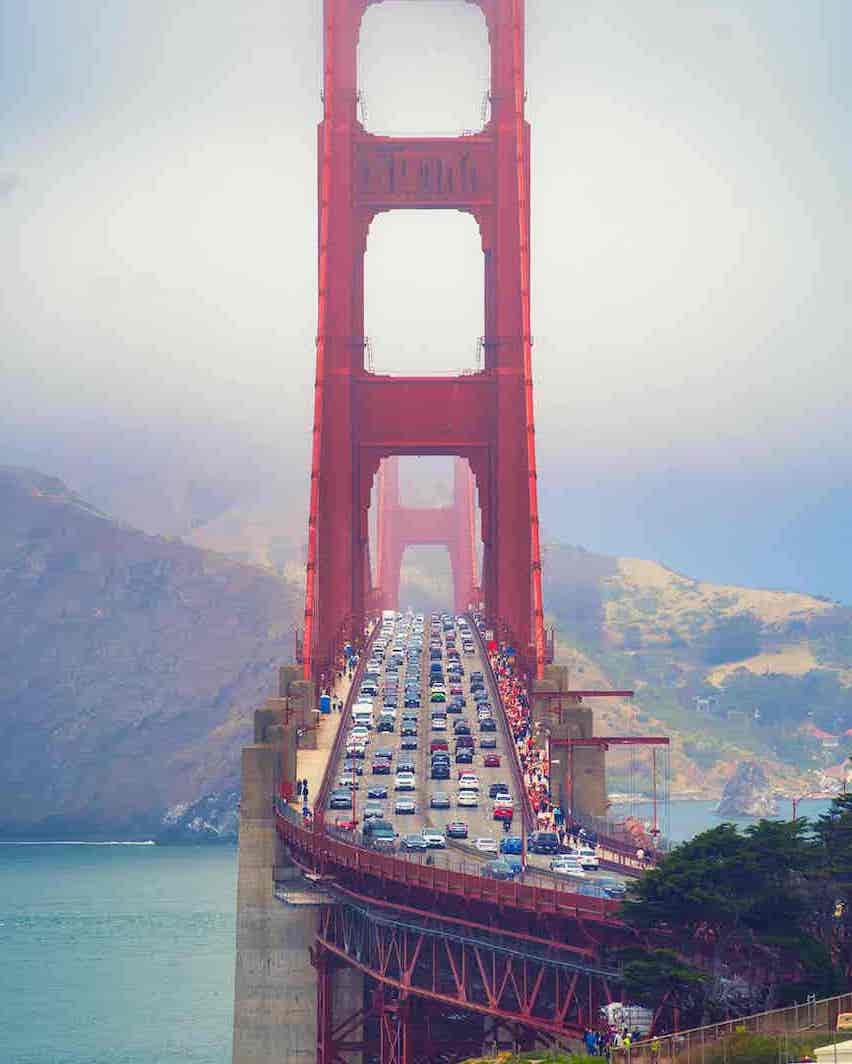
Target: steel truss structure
{"x": 419, "y": 963}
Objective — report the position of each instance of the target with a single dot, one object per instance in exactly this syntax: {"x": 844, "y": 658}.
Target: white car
{"x": 439, "y": 724}
{"x": 468, "y": 781}
{"x": 467, "y": 799}
{"x": 405, "y": 805}
{"x": 588, "y": 859}
{"x": 360, "y": 734}
{"x": 567, "y": 865}
{"x": 404, "y": 781}
{"x": 434, "y": 839}
{"x": 349, "y": 782}
{"x": 485, "y": 845}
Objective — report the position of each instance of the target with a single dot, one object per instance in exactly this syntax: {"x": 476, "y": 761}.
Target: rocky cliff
{"x": 129, "y": 666}
{"x": 747, "y": 793}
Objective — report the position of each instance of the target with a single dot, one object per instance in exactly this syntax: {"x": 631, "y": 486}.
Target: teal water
{"x": 116, "y": 954}
{"x": 125, "y": 954}
{"x": 688, "y": 818}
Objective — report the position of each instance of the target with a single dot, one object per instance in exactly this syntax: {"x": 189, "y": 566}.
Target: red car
{"x": 491, "y": 761}
{"x": 503, "y": 812}
{"x": 381, "y": 768}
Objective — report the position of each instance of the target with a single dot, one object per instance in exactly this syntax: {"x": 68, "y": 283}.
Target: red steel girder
{"x": 534, "y": 988}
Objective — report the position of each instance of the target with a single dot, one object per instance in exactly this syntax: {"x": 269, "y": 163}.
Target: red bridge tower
{"x": 361, "y": 418}
{"x": 453, "y": 527}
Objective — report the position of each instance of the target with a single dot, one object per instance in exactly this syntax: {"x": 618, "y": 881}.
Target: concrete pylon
{"x": 275, "y": 984}
{"x": 300, "y": 698}
{"x": 586, "y": 789}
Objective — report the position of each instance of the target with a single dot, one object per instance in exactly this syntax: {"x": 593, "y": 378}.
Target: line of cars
{"x": 391, "y": 682}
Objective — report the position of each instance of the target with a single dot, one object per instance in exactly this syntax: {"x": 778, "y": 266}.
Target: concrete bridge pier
{"x": 275, "y": 987}
{"x": 585, "y": 787}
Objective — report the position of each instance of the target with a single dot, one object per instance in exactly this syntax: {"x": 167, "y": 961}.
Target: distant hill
{"x": 129, "y": 664}
{"x": 731, "y": 672}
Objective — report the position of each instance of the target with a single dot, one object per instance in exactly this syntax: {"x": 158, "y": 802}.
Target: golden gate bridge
{"x": 414, "y": 959}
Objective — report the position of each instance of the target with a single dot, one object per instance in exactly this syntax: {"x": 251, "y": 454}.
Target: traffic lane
{"x": 366, "y": 779}
{"x": 479, "y": 819}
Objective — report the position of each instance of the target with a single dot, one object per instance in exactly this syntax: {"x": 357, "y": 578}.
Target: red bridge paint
{"x": 484, "y": 418}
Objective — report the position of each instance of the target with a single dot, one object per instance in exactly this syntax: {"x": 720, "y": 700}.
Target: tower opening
{"x": 424, "y": 285}
{"x": 423, "y": 69}
{"x": 426, "y": 580}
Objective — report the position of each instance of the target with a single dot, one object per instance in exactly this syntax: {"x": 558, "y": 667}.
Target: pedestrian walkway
{"x": 311, "y": 764}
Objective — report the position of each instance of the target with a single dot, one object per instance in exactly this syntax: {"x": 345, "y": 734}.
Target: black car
{"x": 351, "y": 768}
{"x": 544, "y": 842}
{"x": 498, "y": 788}
{"x": 440, "y": 771}
{"x": 464, "y": 756}
{"x": 461, "y": 728}
{"x": 412, "y": 703}
{"x": 488, "y": 742}
{"x": 377, "y": 792}
{"x": 385, "y": 725}
{"x": 409, "y": 728}
{"x": 488, "y": 724}
{"x": 385, "y": 751}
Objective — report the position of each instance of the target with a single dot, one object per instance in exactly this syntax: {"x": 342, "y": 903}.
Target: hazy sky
{"x": 692, "y": 172}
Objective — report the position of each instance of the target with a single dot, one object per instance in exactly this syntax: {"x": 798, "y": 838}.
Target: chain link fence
{"x": 813, "y": 1019}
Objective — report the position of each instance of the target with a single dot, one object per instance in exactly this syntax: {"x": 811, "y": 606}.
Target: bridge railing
{"x": 321, "y": 804}
{"x": 322, "y": 853}
{"x": 520, "y": 790}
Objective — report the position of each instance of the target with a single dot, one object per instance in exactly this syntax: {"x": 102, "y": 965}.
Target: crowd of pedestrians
{"x": 534, "y": 766}
{"x": 533, "y": 758}
{"x": 601, "y": 1042}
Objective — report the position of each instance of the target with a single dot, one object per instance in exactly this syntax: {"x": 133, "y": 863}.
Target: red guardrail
{"x": 326, "y": 855}
{"x": 321, "y": 804}
{"x": 514, "y": 760}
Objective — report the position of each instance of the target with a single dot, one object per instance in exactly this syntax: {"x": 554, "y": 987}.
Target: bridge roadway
{"x": 460, "y": 856}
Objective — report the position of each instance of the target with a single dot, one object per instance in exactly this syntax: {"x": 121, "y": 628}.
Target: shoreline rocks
{"x": 748, "y": 793}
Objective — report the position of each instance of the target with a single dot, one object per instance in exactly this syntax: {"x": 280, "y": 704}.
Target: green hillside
{"x": 731, "y": 672}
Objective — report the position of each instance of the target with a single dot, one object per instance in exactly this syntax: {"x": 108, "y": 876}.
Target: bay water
{"x": 124, "y": 954}
{"x": 116, "y": 954}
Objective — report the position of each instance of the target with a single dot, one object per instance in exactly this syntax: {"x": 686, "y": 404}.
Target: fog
{"x": 692, "y": 169}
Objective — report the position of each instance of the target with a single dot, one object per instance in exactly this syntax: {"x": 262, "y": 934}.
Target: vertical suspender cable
{"x": 523, "y": 229}
{"x": 316, "y": 446}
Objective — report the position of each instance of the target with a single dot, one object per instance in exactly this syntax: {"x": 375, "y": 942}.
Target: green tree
{"x": 660, "y": 978}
